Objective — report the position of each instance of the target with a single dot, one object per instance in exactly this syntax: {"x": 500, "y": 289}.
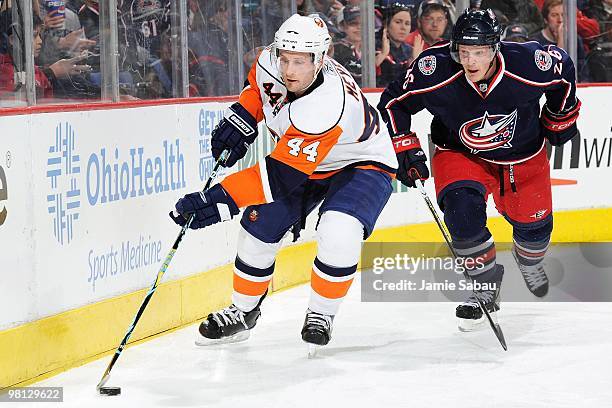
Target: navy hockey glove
{"x": 559, "y": 128}
{"x": 236, "y": 131}
{"x": 210, "y": 207}
{"x": 411, "y": 159}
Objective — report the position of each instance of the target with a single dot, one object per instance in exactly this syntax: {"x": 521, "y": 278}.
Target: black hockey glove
{"x": 210, "y": 207}
{"x": 411, "y": 159}
{"x": 559, "y": 128}
{"x": 235, "y": 132}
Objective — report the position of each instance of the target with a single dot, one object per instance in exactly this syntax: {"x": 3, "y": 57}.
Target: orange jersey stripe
{"x": 249, "y": 288}
{"x": 304, "y": 152}
{"x": 245, "y": 187}
{"x": 327, "y": 289}
{"x": 250, "y": 97}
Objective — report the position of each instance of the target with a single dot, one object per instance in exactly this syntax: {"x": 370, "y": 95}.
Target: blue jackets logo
{"x": 488, "y": 132}
{"x": 63, "y": 168}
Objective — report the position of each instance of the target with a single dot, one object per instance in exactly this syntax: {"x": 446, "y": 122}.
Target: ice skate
{"x": 229, "y": 325}
{"x": 316, "y": 331}
{"x": 470, "y": 315}
{"x": 534, "y": 275}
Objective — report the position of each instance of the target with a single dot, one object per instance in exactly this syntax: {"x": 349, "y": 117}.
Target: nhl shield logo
{"x": 488, "y": 132}
{"x": 427, "y": 65}
{"x": 543, "y": 60}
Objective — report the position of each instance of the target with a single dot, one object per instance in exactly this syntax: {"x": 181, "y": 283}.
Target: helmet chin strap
{"x": 490, "y": 65}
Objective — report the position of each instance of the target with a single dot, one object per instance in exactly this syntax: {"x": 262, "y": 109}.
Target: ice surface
{"x": 381, "y": 354}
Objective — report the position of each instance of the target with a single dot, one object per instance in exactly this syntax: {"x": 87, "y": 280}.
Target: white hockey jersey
{"x": 330, "y": 127}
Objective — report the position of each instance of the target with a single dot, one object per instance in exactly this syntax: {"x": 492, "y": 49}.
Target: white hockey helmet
{"x": 303, "y": 34}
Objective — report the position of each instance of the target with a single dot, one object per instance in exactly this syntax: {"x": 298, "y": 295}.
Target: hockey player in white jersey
{"x": 331, "y": 150}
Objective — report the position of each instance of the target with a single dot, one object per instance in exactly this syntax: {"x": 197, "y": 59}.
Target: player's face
{"x": 399, "y": 26}
{"x": 433, "y": 24}
{"x": 297, "y": 70}
{"x": 476, "y": 61}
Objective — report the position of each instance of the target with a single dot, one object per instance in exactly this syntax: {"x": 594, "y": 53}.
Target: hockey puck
{"x": 110, "y": 390}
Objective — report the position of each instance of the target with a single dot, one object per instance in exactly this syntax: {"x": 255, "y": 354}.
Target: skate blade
{"x": 312, "y": 350}
{"x": 236, "y": 338}
{"x": 468, "y": 325}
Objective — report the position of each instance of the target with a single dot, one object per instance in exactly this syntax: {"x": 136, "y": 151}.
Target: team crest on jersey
{"x": 319, "y": 22}
{"x": 427, "y": 65}
{"x": 488, "y": 132}
{"x": 543, "y": 60}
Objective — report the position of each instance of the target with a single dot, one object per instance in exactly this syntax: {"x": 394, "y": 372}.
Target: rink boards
{"x": 84, "y": 197}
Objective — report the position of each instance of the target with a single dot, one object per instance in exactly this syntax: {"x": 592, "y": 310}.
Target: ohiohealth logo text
{"x": 110, "y": 178}
{"x": 63, "y": 166}
{"x": 111, "y": 175}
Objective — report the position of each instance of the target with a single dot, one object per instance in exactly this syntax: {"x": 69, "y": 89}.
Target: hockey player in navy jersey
{"x": 489, "y": 133}
{"x": 331, "y": 150}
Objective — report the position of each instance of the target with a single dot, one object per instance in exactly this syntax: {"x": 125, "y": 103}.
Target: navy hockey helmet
{"x": 476, "y": 27}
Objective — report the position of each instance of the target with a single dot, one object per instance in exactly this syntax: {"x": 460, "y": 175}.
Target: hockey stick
{"x": 495, "y": 326}
{"x": 160, "y": 274}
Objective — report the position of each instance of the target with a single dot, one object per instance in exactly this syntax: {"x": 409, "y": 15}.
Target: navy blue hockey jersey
{"x": 498, "y": 122}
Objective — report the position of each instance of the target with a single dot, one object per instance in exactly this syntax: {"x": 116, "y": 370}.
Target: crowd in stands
{"x": 66, "y": 42}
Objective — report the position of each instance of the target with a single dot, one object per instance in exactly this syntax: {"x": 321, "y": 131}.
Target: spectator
{"x": 599, "y": 60}
{"x": 501, "y": 18}
{"x": 75, "y": 5}
{"x": 553, "y": 33}
{"x": 63, "y": 36}
{"x": 142, "y": 22}
{"x": 383, "y": 5}
{"x": 89, "y": 17}
{"x": 348, "y": 50}
{"x": 523, "y": 12}
{"x": 159, "y": 77}
{"x": 48, "y": 79}
{"x": 393, "y": 55}
{"x": 601, "y": 11}
{"x": 452, "y": 10}
{"x": 329, "y": 11}
{"x": 587, "y": 26}
{"x": 209, "y": 41}
{"x": 302, "y": 7}
{"x": 515, "y": 33}
{"x": 329, "y": 8}
{"x": 432, "y": 24}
